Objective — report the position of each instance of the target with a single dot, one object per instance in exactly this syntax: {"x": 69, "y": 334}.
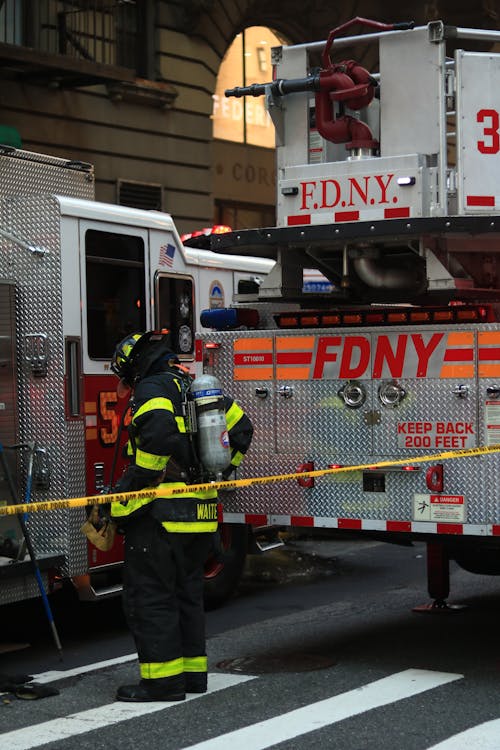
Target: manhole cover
{"x": 279, "y": 663}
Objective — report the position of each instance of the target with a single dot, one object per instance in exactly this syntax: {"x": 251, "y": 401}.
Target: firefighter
{"x": 167, "y": 540}
{"x": 240, "y": 430}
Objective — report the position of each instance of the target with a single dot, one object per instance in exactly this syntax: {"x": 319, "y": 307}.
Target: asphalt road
{"x": 319, "y": 649}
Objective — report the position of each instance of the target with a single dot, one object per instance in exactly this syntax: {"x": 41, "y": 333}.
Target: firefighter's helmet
{"x": 137, "y": 352}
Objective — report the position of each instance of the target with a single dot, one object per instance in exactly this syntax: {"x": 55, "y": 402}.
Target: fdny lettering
{"x": 206, "y": 512}
{"x": 370, "y": 190}
{"x": 349, "y": 357}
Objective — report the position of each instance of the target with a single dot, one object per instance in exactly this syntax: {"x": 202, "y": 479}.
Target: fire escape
{"x": 77, "y": 43}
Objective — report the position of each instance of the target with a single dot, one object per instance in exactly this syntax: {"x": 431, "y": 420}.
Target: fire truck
{"x": 388, "y": 185}
{"x": 76, "y": 276}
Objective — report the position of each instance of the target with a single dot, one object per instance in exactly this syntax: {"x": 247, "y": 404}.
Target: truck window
{"x": 175, "y": 311}
{"x": 115, "y": 289}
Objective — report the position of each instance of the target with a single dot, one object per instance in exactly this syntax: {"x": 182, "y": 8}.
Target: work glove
{"x": 21, "y": 686}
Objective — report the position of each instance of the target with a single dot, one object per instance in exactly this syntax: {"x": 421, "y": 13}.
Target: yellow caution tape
{"x": 80, "y": 502}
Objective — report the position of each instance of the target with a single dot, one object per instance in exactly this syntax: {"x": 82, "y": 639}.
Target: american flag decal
{"x": 167, "y": 253}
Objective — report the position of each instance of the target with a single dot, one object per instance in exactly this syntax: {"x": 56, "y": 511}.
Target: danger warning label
{"x": 444, "y": 434}
{"x": 449, "y": 508}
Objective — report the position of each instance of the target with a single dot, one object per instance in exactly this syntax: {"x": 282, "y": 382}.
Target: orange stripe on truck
{"x": 254, "y": 344}
{"x": 457, "y": 371}
{"x": 461, "y": 338}
{"x": 489, "y": 371}
{"x": 294, "y": 343}
{"x": 253, "y": 373}
{"x": 293, "y": 373}
{"x": 294, "y": 357}
{"x": 459, "y": 355}
{"x": 489, "y": 354}
{"x": 253, "y": 359}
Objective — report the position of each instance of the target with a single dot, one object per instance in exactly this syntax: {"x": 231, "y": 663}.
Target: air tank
{"x": 211, "y": 434}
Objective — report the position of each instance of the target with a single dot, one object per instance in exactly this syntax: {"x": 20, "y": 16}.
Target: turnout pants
{"x": 163, "y": 602}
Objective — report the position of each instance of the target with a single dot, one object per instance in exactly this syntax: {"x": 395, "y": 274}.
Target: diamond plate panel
{"x": 41, "y": 410}
{"x": 36, "y": 280}
{"x": 17, "y": 589}
{"x": 27, "y": 173}
{"x": 314, "y": 424}
{"x": 319, "y": 422}
{"x": 10, "y": 531}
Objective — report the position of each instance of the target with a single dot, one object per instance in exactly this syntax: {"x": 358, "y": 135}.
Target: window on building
{"x": 247, "y": 61}
{"x": 262, "y": 60}
{"x": 244, "y": 215}
{"x": 109, "y": 32}
{"x": 11, "y": 22}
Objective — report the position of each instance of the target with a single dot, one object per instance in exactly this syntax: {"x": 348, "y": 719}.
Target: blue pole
{"x": 29, "y": 478}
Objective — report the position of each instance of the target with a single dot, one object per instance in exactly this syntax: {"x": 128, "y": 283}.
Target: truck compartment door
{"x": 425, "y": 390}
{"x": 323, "y": 395}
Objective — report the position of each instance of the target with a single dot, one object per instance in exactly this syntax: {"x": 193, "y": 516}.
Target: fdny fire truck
{"x": 76, "y": 276}
{"x": 388, "y": 185}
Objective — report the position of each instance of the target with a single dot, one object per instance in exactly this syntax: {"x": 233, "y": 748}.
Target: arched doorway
{"x": 244, "y": 158}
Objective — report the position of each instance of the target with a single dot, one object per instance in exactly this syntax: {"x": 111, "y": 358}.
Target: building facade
{"x": 129, "y": 87}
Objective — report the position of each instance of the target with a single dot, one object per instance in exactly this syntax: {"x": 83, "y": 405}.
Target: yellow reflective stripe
{"x": 150, "y": 460}
{"x": 195, "y": 663}
{"x": 233, "y": 415}
{"x": 185, "y": 527}
{"x": 157, "y": 670}
{"x": 181, "y": 425}
{"x": 206, "y": 494}
{"x": 119, "y": 510}
{"x": 152, "y": 404}
{"x": 237, "y": 458}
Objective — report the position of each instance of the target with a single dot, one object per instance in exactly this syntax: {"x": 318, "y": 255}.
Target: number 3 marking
{"x": 489, "y": 131}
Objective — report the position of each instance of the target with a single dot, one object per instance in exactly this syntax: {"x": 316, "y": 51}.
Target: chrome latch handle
{"x": 353, "y": 395}
{"x": 391, "y": 394}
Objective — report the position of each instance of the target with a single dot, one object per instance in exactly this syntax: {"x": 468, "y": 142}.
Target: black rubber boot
{"x": 151, "y": 690}
{"x": 196, "y": 682}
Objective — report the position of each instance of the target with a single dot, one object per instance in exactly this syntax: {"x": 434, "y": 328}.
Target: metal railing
{"x": 101, "y": 31}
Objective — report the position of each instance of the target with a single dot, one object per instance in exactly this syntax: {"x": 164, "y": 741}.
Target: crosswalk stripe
{"x": 62, "y": 674}
{"x": 314, "y": 716}
{"x": 482, "y": 737}
{"x": 103, "y": 716}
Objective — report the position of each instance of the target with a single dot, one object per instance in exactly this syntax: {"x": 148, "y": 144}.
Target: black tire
{"x": 481, "y": 561}
{"x": 224, "y": 568}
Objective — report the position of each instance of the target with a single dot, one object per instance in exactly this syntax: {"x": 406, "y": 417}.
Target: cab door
{"x": 114, "y": 270}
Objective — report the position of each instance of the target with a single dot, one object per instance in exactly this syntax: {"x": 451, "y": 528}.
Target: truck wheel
{"x": 480, "y": 561}
{"x": 223, "y": 570}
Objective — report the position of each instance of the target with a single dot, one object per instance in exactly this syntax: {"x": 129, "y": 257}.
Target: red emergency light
{"x": 206, "y": 232}
{"x": 385, "y": 316}
{"x": 220, "y": 229}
